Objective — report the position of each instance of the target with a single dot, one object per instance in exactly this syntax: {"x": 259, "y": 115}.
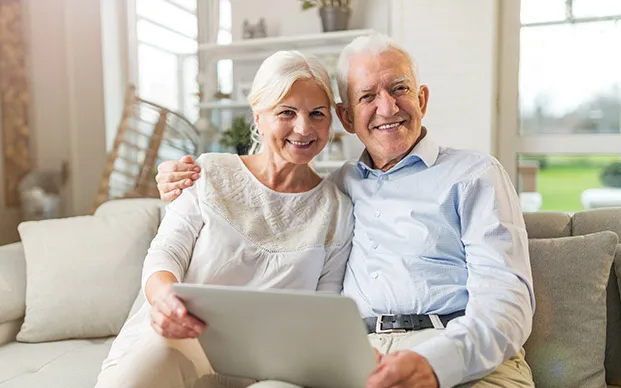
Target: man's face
{"x": 385, "y": 107}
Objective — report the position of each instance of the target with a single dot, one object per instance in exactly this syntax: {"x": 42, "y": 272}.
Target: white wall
{"x": 454, "y": 43}
{"x": 115, "y": 58}
{"x": 68, "y": 122}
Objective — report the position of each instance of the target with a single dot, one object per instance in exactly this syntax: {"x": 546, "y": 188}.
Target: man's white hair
{"x": 274, "y": 79}
{"x": 374, "y": 44}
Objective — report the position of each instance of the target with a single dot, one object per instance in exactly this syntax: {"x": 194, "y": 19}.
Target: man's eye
{"x": 401, "y": 89}
{"x": 366, "y": 97}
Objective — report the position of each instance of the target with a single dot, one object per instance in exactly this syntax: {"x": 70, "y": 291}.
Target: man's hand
{"x": 172, "y": 177}
{"x": 403, "y": 369}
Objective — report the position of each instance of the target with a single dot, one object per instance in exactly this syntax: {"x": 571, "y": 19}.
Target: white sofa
{"x": 561, "y": 350}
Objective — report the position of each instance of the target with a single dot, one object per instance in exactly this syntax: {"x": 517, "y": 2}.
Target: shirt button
{"x": 374, "y": 245}
{"x": 374, "y": 275}
{"x": 377, "y": 213}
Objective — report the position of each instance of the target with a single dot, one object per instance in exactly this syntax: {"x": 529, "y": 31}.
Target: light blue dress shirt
{"x": 439, "y": 232}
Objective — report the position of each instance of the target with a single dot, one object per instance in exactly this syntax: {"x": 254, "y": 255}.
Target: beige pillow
{"x": 83, "y": 273}
{"x": 568, "y": 342}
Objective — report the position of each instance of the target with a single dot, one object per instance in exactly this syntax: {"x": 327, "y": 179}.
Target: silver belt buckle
{"x": 378, "y": 325}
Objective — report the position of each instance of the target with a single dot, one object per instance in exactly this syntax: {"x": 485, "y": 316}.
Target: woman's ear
{"x": 342, "y": 110}
{"x": 257, "y": 119}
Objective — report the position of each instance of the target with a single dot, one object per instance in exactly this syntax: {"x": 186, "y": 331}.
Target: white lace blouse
{"x": 230, "y": 229}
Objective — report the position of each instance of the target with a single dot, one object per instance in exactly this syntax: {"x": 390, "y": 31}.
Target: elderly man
{"x": 439, "y": 239}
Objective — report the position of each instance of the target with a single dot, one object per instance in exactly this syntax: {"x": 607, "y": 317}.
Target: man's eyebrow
{"x": 365, "y": 89}
{"x": 400, "y": 80}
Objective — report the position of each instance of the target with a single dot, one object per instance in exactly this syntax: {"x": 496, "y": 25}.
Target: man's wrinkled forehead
{"x": 393, "y": 81}
{"x": 368, "y": 66}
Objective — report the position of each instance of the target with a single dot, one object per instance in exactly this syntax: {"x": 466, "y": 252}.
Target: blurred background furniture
{"x": 148, "y": 134}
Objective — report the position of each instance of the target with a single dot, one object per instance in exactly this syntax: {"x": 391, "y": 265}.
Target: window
{"x": 225, "y": 36}
{"x": 166, "y": 67}
{"x": 569, "y": 98}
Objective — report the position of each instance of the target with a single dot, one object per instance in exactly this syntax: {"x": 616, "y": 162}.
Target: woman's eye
{"x": 286, "y": 113}
{"x": 317, "y": 114}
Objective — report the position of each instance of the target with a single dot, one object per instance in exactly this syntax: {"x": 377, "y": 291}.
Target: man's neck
{"x": 388, "y": 164}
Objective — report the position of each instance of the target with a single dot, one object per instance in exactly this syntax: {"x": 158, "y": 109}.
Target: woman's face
{"x": 298, "y": 127}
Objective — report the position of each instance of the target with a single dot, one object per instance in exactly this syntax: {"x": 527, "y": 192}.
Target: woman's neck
{"x": 281, "y": 176}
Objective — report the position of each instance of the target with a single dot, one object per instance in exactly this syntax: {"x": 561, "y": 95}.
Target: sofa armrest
{"x": 9, "y": 330}
{"x": 12, "y": 282}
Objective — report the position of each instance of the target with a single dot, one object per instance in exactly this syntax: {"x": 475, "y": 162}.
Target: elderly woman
{"x": 265, "y": 220}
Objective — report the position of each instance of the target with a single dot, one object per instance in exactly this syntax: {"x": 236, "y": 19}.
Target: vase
{"x": 334, "y": 18}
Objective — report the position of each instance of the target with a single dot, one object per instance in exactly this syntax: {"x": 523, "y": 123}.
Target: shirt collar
{"x": 426, "y": 150}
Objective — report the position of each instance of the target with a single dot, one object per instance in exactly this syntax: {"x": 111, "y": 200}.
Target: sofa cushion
{"x": 12, "y": 282}
{"x": 61, "y": 364}
{"x": 83, "y": 273}
{"x": 547, "y": 224}
{"x": 120, "y": 206}
{"x": 591, "y": 221}
{"x": 568, "y": 342}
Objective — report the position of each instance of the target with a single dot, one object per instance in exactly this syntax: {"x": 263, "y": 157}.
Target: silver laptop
{"x": 309, "y": 339}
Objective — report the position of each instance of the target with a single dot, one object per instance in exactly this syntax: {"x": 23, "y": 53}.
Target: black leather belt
{"x": 395, "y": 323}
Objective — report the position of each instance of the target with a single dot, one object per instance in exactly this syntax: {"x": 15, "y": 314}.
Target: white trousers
{"x": 156, "y": 362}
{"x": 514, "y": 373}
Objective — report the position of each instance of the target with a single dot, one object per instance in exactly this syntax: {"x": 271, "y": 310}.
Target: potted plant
{"x": 334, "y": 13}
{"x": 238, "y": 136}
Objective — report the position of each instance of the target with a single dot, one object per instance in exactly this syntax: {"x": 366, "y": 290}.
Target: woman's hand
{"x": 170, "y": 318}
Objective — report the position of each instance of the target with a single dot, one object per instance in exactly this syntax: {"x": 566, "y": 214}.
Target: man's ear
{"x": 423, "y": 98}
{"x": 342, "y": 110}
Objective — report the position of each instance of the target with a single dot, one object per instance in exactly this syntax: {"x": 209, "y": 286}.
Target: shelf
{"x": 214, "y": 105}
{"x": 322, "y": 43}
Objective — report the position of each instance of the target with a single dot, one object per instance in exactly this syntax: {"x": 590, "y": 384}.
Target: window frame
{"x": 510, "y": 143}
{"x": 134, "y": 43}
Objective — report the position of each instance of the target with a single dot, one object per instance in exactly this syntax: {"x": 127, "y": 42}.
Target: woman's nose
{"x": 303, "y": 126}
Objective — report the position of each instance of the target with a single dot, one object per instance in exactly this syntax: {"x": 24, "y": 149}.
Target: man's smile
{"x": 389, "y": 126}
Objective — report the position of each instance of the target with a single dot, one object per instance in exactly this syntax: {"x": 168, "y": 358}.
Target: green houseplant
{"x": 334, "y": 13}
{"x": 239, "y": 136}
{"x": 611, "y": 175}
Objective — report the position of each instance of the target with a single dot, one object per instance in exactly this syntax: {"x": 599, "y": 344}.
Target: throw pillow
{"x": 613, "y": 326}
{"x": 83, "y": 273}
{"x": 568, "y": 342}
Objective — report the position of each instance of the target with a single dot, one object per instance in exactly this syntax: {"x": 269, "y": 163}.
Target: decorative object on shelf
{"x": 243, "y": 90}
{"x": 222, "y": 96}
{"x": 252, "y": 31}
{"x": 334, "y": 13}
{"x": 238, "y": 136}
{"x": 40, "y": 195}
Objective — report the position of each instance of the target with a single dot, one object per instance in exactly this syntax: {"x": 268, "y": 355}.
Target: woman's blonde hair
{"x": 274, "y": 79}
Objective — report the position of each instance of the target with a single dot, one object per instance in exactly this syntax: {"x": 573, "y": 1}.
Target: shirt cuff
{"x": 445, "y": 359}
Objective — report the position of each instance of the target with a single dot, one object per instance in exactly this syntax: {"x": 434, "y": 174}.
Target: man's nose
{"x": 386, "y": 104}
{"x": 303, "y": 126}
